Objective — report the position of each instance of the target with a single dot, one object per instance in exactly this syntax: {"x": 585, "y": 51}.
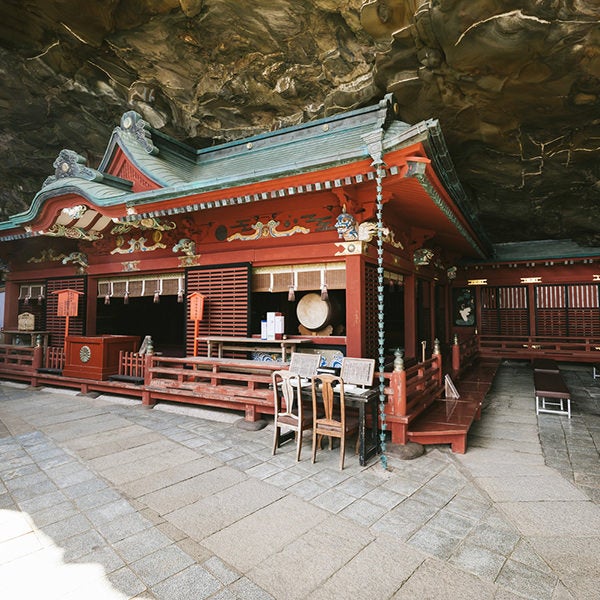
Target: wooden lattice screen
{"x": 504, "y": 311}
{"x": 227, "y": 303}
{"x": 55, "y": 325}
{"x": 571, "y": 310}
{"x": 371, "y": 311}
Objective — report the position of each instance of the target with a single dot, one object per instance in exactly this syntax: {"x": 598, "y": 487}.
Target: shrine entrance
{"x": 144, "y": 305}
{"x": 163, "y": 320}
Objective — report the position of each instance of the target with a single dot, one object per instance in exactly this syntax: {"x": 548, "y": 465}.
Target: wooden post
{"x": 196, "y": 301}
{"x": 455, "y": 356}
{"x": 437, "y": 355}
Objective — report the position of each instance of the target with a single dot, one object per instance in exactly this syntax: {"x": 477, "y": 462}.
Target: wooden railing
{"x": 54, "y": 358}
{"x": 465, "y": 353}
{"x": 20, "y": 362}
{"x": 410, "y": 392}
{"x": 530, "y": 347}
{"x": 220, "y": 382}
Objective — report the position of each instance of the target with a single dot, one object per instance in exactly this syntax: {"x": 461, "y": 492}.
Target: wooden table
{"x": 251, "y": 344}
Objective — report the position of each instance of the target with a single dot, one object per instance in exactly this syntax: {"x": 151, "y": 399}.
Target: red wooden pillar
{"x": 478, "y": 308}
{"x": 91, "y": 306}
{"x": 432, "y": 311}
{"x": 410, "y": 316}
{"x": 355, "y": 306}
{"x": 531, "y": 309}
{"x": 11, "y": 305}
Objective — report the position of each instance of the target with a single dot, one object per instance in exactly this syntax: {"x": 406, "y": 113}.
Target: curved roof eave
{"x": 62, "y": 187}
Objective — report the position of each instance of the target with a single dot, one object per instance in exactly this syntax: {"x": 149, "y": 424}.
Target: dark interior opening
{"x": 164, "y": 321}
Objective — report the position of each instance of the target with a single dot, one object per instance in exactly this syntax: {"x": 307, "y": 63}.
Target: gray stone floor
{"x": 100, "y": 498}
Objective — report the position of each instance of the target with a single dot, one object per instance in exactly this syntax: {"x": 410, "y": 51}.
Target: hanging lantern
{"x": 107, "y": 299}
{"x": 27, "y": 298}
{"x": 324, "y": 294}
{"x": 156, "y": 296}
{"x": 126, "y": 297}
{"x": 180, "y": 291}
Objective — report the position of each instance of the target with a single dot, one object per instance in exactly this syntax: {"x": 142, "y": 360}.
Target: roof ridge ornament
{"x": 70, "y": 164}
{"x": 134, "y": 127}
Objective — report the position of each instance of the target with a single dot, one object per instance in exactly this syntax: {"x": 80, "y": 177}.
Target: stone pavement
{"x": 102, "y": 499}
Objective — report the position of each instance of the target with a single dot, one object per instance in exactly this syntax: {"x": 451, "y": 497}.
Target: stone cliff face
{"x": 516, "y": 86}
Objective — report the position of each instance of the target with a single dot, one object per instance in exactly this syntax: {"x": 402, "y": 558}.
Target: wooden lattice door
{"x": 226, "y": 289}
{"x": 55, "y": 325}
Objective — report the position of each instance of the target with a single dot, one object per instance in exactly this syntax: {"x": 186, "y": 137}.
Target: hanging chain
{"x": 380, "y": 312}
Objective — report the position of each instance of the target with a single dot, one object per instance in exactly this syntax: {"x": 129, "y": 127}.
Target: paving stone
{"x": 307, "y": 489}
{"x": 141, "y": 544}
{"x": 224, "y": 508}
{"x": 218, "y": 569}
{"x": 170, "y": 476}
{"x": 169, "y": 499}
{"x": 110, "y": 511}
{"x": 194, "y": 583}
{"x": 333, "y": 500}
{"x": 160, "y": 565}
{"x": 526, "y": 581}
{"x": 127, "y": 582}
{"x": 435, "y": 580}
{"x": 479, "y": 561}
{"x": 363, "y": 512}
{"x": 317, "y": 554}
{"x": 123, "y": 527}
{"x": 553, "y": 518}
{"x": 435, "y": 542}
{"x": 264, "y": 532}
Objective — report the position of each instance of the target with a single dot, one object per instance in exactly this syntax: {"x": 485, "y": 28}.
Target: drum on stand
{"x": 315, "y": 313}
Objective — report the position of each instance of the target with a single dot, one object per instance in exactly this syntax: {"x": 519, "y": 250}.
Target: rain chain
{"x": 380, "y": 310}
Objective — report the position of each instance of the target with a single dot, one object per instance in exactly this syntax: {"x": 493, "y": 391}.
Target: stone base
{"x": 89, "y": 394}
{"x": 251, "y": 425}
{"x": 407, "y": 451}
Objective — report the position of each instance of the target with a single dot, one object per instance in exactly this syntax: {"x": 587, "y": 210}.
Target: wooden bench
{"x": 447, "y": 422}
{"x": 220, "y": 382}
{"x": 545, "y": 365}
{"x": 551, "y": 393}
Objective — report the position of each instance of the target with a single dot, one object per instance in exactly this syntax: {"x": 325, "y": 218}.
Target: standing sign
{"x": 68, "y": 306}
{"x": 196, "y": 301}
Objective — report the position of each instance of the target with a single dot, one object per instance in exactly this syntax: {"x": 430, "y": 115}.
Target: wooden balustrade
{"x": 531, "y": 347}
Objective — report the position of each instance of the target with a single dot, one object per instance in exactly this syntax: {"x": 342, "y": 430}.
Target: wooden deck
{"x": 447, "y": 421}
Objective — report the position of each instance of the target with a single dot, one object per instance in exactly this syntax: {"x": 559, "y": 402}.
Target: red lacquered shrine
{"x": 286, "y": 223}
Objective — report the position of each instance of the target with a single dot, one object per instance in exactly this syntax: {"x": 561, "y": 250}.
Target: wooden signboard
{"x": 196, "y": 301}
{"x": 68, "y": 306}
{"x": 68, "y": 303}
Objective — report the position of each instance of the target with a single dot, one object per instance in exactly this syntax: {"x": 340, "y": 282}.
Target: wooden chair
{"x": 287, "y": 391}
{"x": 335, "y": 423}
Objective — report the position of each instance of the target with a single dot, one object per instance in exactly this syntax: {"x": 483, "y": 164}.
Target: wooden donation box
{"x": 96, "y": 357}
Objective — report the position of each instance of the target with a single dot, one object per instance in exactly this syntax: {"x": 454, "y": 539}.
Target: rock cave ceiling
{"x": 515, "y": 85}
